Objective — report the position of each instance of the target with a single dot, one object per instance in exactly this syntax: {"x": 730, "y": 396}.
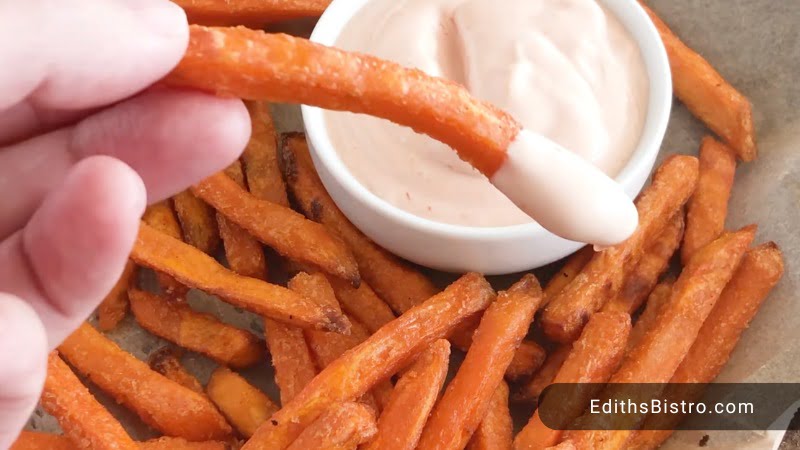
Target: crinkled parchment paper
{"x": 755, "y": 45}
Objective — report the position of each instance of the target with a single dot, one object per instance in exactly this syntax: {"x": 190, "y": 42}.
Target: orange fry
{"x": 159, "y": 402}
{"x": 32, "y": 440}
{"x": 655, "y": 303}
{"x": 260, "y": 157}
{"x": 468, "y": 396}
{"x": 707, "y": 95}
{"x": 249, "y": 12}
{"x": 528, "y": 358}
{"x": 376, "y": 359}
{"x": 707, "y": 209}
{"x": 254, "y": 65}
{"x": 161, "y": 216}
{"x": 84, "y": 421}
{"x": 759, "y": 272}
{"x": 244, "y": 405}
{"x": 641, "y": 280}
{"x": 572, "y": 267}
{"x": 544, "y": 377}
{"x": 197, "y": 222}
{"x": 343, "y": 426}
{"x": 592, "y": 360}
{"x": 496, "y": 431}
{"x": 199, "y": 332}
{"x": 291, "y": 358}
{"x": 192, "y": 268}
{"x": 663, "y": 348}
{"x": 172, "y": 443}
{"x": 114, "y": 307}
{"x": 604, "y": 275}
{"x": 286, "y": 231}
{"x": 362, "y": 303}
{"x": 167, "y": 362}
{"x": 401, "y": 286}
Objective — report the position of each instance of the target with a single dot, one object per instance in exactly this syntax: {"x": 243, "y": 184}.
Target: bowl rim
{"x": 659, "y": 105}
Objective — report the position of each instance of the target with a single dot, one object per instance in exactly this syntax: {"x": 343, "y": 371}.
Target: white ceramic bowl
{"x": 495, "y": 250}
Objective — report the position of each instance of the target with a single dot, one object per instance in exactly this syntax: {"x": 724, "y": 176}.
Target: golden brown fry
{"x": 244, "y": 405}
{"x": 260, "y": 158}
{"x": 466, "y": 399}
{"x": 362, "y": 303}
{"x": 161, "y": 216}
{"x": 199, "y": 332}
{"x": 759, "y": 272}
{"x": 496, "y": 431}
{"x": 571, "y": 268}
{"x": 254, "y": 13}
{"x": 641, "y": 280}
{"x": 603, "y": 276}
{"x": 376, "y": 359}
{"x": 167, "y": 362}
{"x": 544, "y": 377}
{"x": 84, "y": 421}
{"x": 707, "y": 95}
{"x": 401, "y": 286}
{"x": 286, "y": 231}
{"x": 342, "y": 427}
{"x": 158, "y": 401}
{"x": 115, "y": 306}
{"x": 707, "y": 209}
{"x": 655, "y": 302}
{"x": 161, "y": 252}
{"x": 592, "y": 360}
{"x": 197, "y": 222}
{"x": 663, "y": 348}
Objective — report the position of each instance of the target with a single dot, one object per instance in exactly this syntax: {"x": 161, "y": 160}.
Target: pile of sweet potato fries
{"x": 361, "y": 341}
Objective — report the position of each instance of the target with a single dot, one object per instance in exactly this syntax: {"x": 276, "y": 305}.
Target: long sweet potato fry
{"x": 592, "y": 360}
{"x": 655, "y": 302}
{"x": 531, "y": 391}
{"x": 167, "y": 362}
{"x": 199, "y": 332}
{"x": 115, "y": 306}
{"x": 286, "y": 231}
{"x": 641, "y": 280}
{"x": 260, "y": 157}
{"x": 254, "y": 65}
{"x": 172, "y": 443}
{"x": 362, "y": 303}
{"x": 376, "y": 359}
{"x": 467, "y": 397}
{"x": 707, "y": 209}
{"x": 161, "y": 216}
{"x": 32, "y": 440}
{"x": 249, "y": 12}
{"x": 603, "y": 276}
{"x": 401, "y": 286}
{"x": 193, "y": 268}
{"x": 572, "y": 267}
{"x": 245, "y": 407}
{"x": 400, "y": 425}
{"x": 159, "y": 402}
{"x": 662, "y": 349}
{"x": 343, "y": 426}
{"x": 197, "y": 222}
{"x": 291, "y": 358}
{"x": 760, "y": 271}
{"x": 707, "y": 95}
{"x": 496, "y": 431}
{"x": 84, "y": 421}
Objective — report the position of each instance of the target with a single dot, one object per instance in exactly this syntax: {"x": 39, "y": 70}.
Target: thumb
{"x": 23, "y": 365}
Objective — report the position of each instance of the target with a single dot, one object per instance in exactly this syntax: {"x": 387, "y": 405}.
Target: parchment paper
{"x": 755, "y": 45}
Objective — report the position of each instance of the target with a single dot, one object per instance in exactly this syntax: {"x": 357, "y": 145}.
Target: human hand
{"x": 84, "y": 145}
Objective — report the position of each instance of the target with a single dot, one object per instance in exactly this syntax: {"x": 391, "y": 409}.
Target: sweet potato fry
{"x": 291, "y": 358}
{"x": 167, "y": 362}
{"x": 707, "y": 209}
{"x": 380, "y": 393}
{"x": 401, "y": 286}
{"x": 254, "y": 65}
{"x": 159, "y": 402}
{"x": 572, "y": 267}
{"x": 253, "y": 13}
{"x": 244, "y": 405}
{"x": 115, "y": 306}
{"x": 496, "y": 430}
{"x": 376, "y": 359}
{"x": 544, "y": 377}
{"x": 663, "y": 348}
{"x": 84, "y": 421}
{"x": 362, "y": 303}
{"x": 193, "y": 268}
{"x": 161, "y": 216}
{"x": 197, "y": 222}
{"x": 172, "y": 443}
{"x": 655, "y": 302}
{"x": 286, "y": 231}
{"x": 603, "y": 276}
{"x": 707, "y": 95}
{"x": 641, "y": 280}
{"x": 592, "y": 360}
{"x": 759, "y": 272}
{"x": 199, "y": 332}
{"x": 467, "y": 397}
{"x": 260, "y": 157}
{"x": 526, "y": 361}
{"x": 343, "y": 426}
{"x": 31, "y": 440}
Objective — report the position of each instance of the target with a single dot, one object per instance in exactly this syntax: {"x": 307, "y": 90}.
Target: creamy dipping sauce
{"x": 565, "y": 69}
